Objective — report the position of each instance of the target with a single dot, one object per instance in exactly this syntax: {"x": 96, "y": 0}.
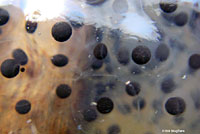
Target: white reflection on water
{"x": 135, "y": 22}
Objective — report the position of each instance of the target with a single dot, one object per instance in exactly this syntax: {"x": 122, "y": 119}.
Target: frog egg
{"x": 99, "y": 67}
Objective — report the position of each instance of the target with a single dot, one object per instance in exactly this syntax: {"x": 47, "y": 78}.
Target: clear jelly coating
{"x": 99, "y": 66}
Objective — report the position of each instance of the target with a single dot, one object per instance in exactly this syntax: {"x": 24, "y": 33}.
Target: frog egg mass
{"x": 99, "y": 67}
